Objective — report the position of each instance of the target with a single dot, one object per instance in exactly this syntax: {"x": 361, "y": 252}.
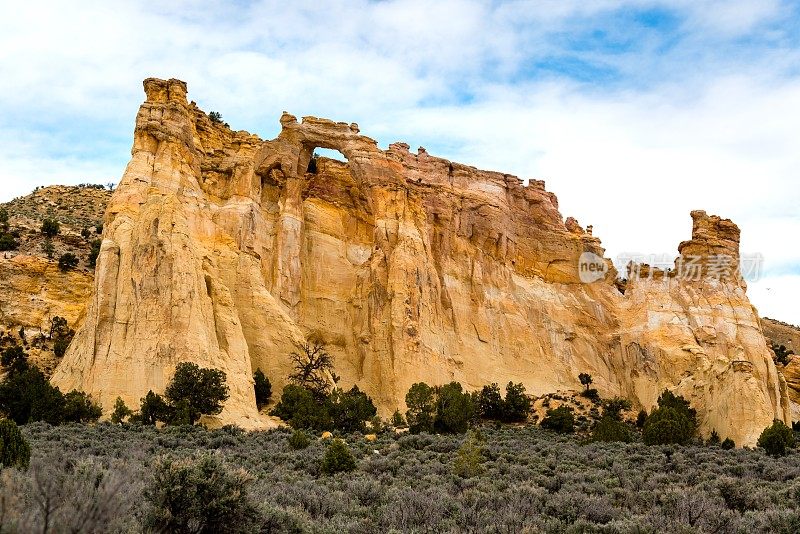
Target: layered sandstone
{"x": 219, "y": 248}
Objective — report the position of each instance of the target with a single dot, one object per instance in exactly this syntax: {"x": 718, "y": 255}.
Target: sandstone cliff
{"x": 219, "y": 248}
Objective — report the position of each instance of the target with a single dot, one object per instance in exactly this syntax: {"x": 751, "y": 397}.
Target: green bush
{"x": 641, "y": 417}
{"x": 153, "y": 409}
{"x": 14, "y": 360}
{"x": 263, "y": 388}
{"x": 48, "y": 248}
{"x": 349, "y": 410}
{"x": 561, "y": 419}
{"x": 196, "y": 391}
{"x": 674, "y": 421}
{"x": 490, "y": 402}
{"x": 28, "y": 396}
{"x": 198, "y": 495}
{"x": 338, "y": 458}
{"x": 469, "y": 458}
{"x": 592, "y": 395}
{"x": 3, "y": 219}
{"x": 776, "y": 439}
{"x": 50, "y": 228}
{"x": 610, "y": 429}
{"x": 299, "y": 440}
{"x": 7, "y": 242}
{"x": 121, "y": 412}
{"x": 421, "y": 402}
{"x": 299, "y": 407}
{"x": 60, "y": 347}
{"x": 728, "y": 444}
{"x": 454, "y": 409}
{"x": 713, "y": 439}
{"x": 517, "y": 405}
{"x": 398, "y": 421}
{"x": 14, "y": 450}
{"x": 94, "y": 252}
{"x": 67, "y": 262}
{"x": 79, "y": 408}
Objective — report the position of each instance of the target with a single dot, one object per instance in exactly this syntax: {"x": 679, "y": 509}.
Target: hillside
{"x": 33, "y": 289}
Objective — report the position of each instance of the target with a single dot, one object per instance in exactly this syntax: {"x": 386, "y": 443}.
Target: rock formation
{"x": 220, "y": 248}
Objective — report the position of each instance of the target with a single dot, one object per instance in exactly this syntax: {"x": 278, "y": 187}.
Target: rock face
{"x": 777, "y": 334}
{"x": 219, "y": 248}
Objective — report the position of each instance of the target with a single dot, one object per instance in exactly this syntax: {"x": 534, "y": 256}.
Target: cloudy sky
{"x": 634, "y": 111}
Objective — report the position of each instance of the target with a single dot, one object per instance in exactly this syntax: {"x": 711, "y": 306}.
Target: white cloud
{"x": 694, "y": 128}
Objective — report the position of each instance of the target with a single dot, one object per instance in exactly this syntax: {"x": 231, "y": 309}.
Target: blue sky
{"x": 635, "y": 112}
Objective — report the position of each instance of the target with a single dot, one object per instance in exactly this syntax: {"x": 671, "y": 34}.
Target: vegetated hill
{"x": 77, "y": 209}
{"x": 779, "y": 333}
{"x": 33, "y": 289}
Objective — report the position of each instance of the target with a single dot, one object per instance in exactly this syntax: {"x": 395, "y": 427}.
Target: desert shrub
{"x": 28, "y": 396}
{"x": 85, "y": 233}
{"x": 517, "y": 405}
{"x": 14, "y": 360}
{"x": 299, "y": 440}
{"x": 398, "y": 421}
{"x": 591, "y": 394}
{"x": 79, "y": 408}
{"x": 673, "y": 421}
{"x": 490, "y": 402}
{"x": 198, "y": 495}
{"x": 421, "y": 402}
{"x": 454, "y": 409}
{"x": 50, "y": 228}
{"x": 350, "y": 409}
{"x": 301, "y": 409}
{"x": 611, "y": 429}
{"x": 7, "y": 242}
{"x": 728, "y": 444}
{"x": 121, "y": 412}
{"x": 469, "y": 458}
{"x": 263, "y": 388}
{"x": 561, "y": 419}
{"x": 215, "y": 116}
{"x": 613, "y": 407}
{"x": 641, "y": 417}
{"x": 48, "y": 249}
{"x": 776, "y": 439}
{"x": 67, "y": 262}
{"x": 153, "y": 408}
{"x": 14, "y": 450}
{"x": 60, "y": 347}
{"x": 196, "y": 391}
{"x": 94, "y": 252}
{"x": 713, "y": 439}
{"x": 4, "y": 219}
{"x": 98, "y": 229}
{"x": 338, "y": 458}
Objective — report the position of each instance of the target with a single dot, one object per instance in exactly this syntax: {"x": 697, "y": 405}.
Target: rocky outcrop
{"x": 220, "y": 248}
{"x": 780, "y": 334}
